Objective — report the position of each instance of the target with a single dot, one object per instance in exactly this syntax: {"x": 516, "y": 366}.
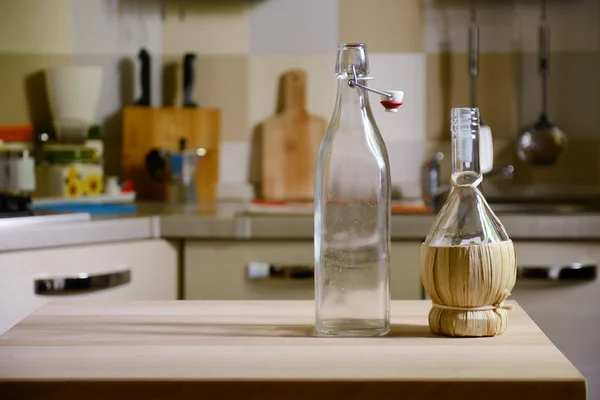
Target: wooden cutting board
{"x": 266, "y": 350}
{"x": 290, "y": 143}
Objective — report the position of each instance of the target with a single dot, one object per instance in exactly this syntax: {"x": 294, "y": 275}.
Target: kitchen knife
{"x": 144, "y": 57}
{"x": 188, "y": 80}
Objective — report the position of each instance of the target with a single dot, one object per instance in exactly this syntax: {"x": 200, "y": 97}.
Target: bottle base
{"x": 352, "y": 328}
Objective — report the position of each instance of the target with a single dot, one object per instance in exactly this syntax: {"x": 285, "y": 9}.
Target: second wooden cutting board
{"x": 290, "y": 144}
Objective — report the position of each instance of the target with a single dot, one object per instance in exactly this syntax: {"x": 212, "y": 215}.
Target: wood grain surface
{"x": 290, "y": 144}
{"x": 267, "y": 349}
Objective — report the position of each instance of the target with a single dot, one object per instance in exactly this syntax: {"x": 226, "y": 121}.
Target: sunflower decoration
{"x": 93, "y": 185}
{"x": 73, "y": 188}
{"x": 72, "y": 175}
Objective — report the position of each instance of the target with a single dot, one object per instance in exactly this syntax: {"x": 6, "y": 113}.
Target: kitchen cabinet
{"x": 568, "y": 312}
{"x": 133, "y": 270}
{"x": 217, "y": 270}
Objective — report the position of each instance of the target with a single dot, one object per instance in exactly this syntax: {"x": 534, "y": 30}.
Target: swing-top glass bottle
{"x": 352, "y": 211}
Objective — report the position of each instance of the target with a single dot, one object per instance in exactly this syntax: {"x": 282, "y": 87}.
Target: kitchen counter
{"x": 230, "y": 221}
{"x": 267, "y": 349}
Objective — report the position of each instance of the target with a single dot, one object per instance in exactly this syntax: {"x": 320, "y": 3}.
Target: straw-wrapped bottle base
{"x": 468, "y": 285}
{"x": 467, "y": 323}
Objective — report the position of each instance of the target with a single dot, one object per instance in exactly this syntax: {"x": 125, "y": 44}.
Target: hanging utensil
{"x": 486, "y": 147}
{"x": 542, "y": 142}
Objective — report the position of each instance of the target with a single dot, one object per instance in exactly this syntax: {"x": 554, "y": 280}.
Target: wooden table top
{"x": 267, "y": 349}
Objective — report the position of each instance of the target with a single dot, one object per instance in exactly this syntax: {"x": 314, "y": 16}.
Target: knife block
{"x": 147, "y": 128}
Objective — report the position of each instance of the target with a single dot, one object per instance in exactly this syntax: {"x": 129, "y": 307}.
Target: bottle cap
{"x": 465, "y": 123}
{"x": 392, "y": 104}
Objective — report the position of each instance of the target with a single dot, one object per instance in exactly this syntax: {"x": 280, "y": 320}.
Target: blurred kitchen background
{"x": 145, "y": 178}
{"x": 243, "y": 47}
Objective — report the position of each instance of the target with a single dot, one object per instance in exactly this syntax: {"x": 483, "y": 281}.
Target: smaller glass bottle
{"x": 468, "y": 263}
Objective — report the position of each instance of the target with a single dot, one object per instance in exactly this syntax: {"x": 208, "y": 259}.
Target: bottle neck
{"x": 351, "y": 101}
{"x": 465, "y": 147}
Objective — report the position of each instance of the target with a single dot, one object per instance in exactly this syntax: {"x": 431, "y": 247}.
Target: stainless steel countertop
{"x": 229, "y": 221}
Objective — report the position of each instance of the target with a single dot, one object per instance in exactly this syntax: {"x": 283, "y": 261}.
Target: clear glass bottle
{"x": 352, "y": 212}
{"x": 468, "y": 263}
{"x": 466, "y": 218}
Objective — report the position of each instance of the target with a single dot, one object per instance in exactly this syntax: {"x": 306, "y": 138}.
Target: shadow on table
{"x": 410, "y": 330}
{"x": 264, "y": 330}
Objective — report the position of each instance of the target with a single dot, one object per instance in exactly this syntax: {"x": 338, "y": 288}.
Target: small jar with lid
{"x": 17, "y": 165}
{"x": 69, "y": 171}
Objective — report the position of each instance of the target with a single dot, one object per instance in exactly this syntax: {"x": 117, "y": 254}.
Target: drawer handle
{"x": 262, "y": 270}
{"x": 81, "y": 283}
{"x": 569, "y": 272}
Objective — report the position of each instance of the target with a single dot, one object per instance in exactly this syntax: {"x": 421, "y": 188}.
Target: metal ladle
{"x": 542, "y": 142}
{"x": 486, "y": 146}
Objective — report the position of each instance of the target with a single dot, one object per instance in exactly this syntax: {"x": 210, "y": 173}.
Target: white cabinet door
{"x": 151, "y": 266}
{"x": 218, "y": 270}
{"x": 567, "y": 311}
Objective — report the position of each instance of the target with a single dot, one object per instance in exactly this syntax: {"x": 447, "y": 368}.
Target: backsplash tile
{"x": 512, "y": 26}
{"x": 386, "y": 26}
{"x": 117, "y": 27}
{"x": 221, "y": 81}
{"x": 36, "y": 26}
{"x": 243, "y": 47}
{"x": 234, "y": 161}
{"x": 406, "y": 158}
{"x": 573, "y": 92}
{"x": 209, "y": 27}
{"x": 573, "y": 25}
{"x": 280, "y": 26}
{"x": 448, "y": 86}
{"x": 447, "y": 26}
{"x": 578, "y": 164}
{"x": 264, "y": 75}
{"x": 405, "y": 72}
{"x": 23, "y": 84}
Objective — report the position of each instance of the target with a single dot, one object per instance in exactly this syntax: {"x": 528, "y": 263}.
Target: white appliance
{"x": 73, "y": 94}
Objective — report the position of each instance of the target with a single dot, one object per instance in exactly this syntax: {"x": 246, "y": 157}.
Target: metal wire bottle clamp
{"x": 391, "y": 100}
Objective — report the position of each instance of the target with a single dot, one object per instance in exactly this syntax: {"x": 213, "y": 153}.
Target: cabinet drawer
{"x": 150, "y": 264}
{"x": 218, "y": 270}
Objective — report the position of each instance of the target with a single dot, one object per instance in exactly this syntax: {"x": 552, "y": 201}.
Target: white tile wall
{"x": 291, "y": 26}
{"x": 404, "y": 132}
{"x": 406, "y": 158}
{"x": 405, "y": 72}
{"x": 234, "y": 161}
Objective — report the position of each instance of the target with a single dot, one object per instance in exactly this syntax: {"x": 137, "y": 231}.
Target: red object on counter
{"x": 16, "y": 133}
{"x": 127, "y": 187}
